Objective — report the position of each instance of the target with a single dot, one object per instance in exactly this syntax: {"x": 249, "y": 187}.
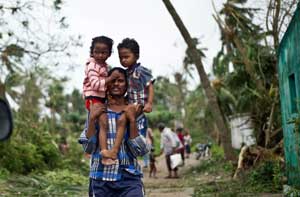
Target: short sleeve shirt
{"x": 139, "y": 79}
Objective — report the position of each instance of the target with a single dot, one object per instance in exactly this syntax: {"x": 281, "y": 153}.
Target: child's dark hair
{"x": 130, "y": 43}
{"x": 101, "y": 39}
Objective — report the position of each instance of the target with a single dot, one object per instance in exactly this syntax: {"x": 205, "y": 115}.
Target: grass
{"x": 48, "y": 183}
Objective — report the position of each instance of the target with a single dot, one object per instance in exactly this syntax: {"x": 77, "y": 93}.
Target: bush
{"x": 33, "y": 147}
{"x": 4, "y": 173}
{"x": 217, "y": 152}
{"x": 269, "y": 173}
{"x": 74, "y": 159}
{"x": 160, "y": 116}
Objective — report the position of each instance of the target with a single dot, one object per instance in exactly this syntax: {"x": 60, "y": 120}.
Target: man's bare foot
{"x": 108, "y": 161}
{"x": 109, "y": 154}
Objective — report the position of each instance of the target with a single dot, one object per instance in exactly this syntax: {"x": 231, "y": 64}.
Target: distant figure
{"x": 187, "y": 143}
{"x": 203, "y": 150}
{"x": 152, "y": 172}
{"x": 168, "y": 147}
{"x": 150, "y": 143}
{"x": 180, "y": 150}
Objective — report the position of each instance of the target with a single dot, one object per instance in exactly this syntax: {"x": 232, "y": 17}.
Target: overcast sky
{"x": 162, "y": 47}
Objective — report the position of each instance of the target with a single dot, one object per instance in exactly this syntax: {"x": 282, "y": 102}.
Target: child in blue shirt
{"x": 140, "y": 91}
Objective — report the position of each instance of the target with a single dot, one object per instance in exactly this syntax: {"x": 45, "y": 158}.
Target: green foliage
{"x": 160, "y": 116}
{"x": 56, "y": 97}
{"x": 35, "y": 151}
{"x": 74, "y": 158}
{"x": 268, "y": 174}
{"x": 48, "y": 183}
{"x": 4, "y": 173}
{"x": 156, "y": 137}
{"x": 252, "y": 82}
{"x": 265, "y": 179}
{"x": 217, "y": 152}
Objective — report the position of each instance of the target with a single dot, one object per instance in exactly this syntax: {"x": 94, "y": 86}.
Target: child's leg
{"x": 154, "y": 170}
{"x": 103, "y": 139}
{"x": 151, "y": 169}
{"x": 121, "y": 127}
{"x": 103, "y": 132}
{"x": 95, "y": 111}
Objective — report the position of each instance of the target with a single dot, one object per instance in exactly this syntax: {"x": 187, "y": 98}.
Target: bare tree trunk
{"x": 269, "y": 129}
{"x": 2, "y": 91}
{"x": 212, "y": 99}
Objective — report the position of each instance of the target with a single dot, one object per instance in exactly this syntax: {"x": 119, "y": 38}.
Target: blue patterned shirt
{"x": 129, "y": 150}
{"x": 139, "y": 79}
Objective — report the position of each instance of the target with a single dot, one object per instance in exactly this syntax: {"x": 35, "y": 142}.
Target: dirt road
{"x": 162, "y": 187}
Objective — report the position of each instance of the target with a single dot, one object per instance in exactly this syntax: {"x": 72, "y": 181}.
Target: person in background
{"x": 187, "y": 143}
{"x": 180, "y": 150}
{"x": 168, "y": 147}
{"x": 150, "y": 143}
{"x": 152, "y": 172}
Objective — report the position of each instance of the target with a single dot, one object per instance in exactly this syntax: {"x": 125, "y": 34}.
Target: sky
{"x": 162, "y": 48}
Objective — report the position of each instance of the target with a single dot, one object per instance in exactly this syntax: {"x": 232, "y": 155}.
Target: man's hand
{"x": 148, "y": 108}
{"x": 174, "y": 151}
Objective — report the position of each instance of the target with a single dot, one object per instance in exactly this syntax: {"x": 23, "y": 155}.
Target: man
{"x": 168, "y": 147}
{"x": 124, "y": 177}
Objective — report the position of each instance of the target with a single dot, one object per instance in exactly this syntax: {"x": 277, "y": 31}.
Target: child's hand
{"x": 148, "y": 108}
{"x": 114, "y": 75}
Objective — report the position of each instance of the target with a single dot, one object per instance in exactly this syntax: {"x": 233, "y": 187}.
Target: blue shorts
{"x": 129, "y": 186}
{"x": 142, "y": 124}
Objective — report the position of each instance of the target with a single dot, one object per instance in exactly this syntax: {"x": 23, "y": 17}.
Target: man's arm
{"x": 88, "y": 144}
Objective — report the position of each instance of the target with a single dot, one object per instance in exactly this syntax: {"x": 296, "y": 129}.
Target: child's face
{"x": 127, "y": 57}
{"x": 101, "y": 53}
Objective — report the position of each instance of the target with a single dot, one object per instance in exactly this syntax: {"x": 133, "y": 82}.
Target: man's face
{"x": 118, "y": 86}
{"x": 127, "y": 57}
{"x": 101, "y": 53}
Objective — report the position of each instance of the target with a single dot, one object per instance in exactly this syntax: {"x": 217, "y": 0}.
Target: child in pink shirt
{"x": 94, "y": 87}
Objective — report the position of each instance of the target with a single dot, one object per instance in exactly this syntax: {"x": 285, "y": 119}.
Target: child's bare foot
{"x": 109, "y": 154}
{"x": 108, "y": 161}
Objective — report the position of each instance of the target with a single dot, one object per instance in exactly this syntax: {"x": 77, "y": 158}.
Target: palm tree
{"x": 211, "y": 96}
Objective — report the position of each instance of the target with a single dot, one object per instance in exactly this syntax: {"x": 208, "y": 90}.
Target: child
{"x": 152, "y": 172}
{"x": 140, "y": 91}
{"x": 94, "y": 86}
{"x": 187, "y": 143}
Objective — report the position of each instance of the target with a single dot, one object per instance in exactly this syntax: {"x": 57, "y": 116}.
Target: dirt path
{"x": 162, "y": 187}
